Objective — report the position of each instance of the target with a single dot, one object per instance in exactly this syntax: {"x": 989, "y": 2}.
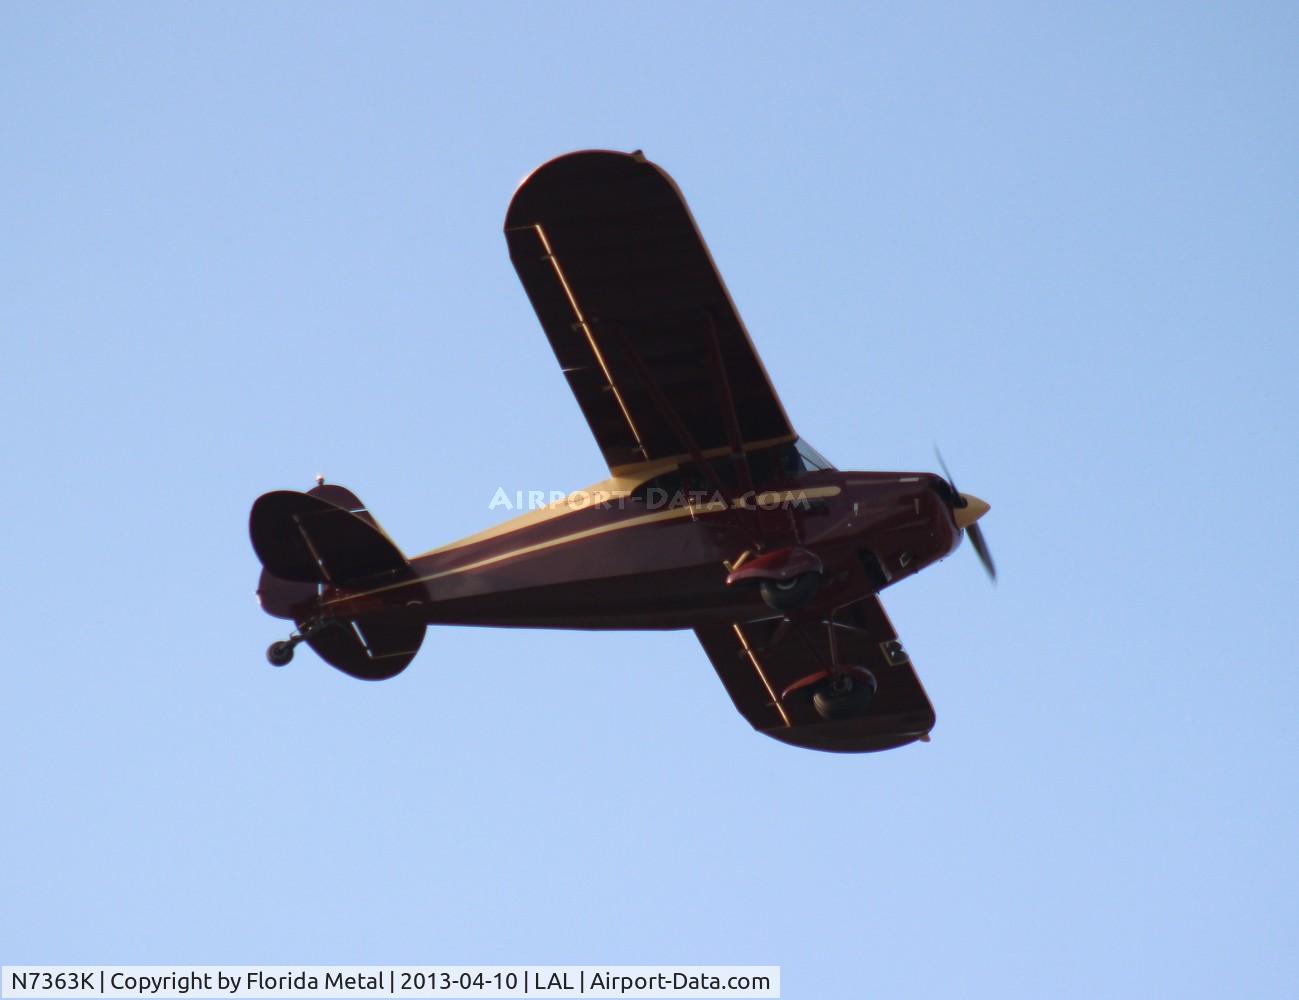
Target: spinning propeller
{"x": 966, "y": 511}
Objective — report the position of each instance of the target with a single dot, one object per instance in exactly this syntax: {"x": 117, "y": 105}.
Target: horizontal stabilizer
{"x": 306, "y": 538}
{"x": 369, "y": 650}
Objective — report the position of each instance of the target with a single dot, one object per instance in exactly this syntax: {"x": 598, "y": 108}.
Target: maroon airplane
{"x": 715, "y": 515}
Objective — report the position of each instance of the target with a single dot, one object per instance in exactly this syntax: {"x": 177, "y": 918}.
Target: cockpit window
{"x": 812, "y": 459}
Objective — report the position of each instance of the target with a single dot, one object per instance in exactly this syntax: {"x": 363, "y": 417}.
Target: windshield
{"x": 769, "y": 466}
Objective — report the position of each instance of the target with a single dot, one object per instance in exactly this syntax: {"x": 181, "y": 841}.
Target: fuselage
{"x": 653, "y": 551}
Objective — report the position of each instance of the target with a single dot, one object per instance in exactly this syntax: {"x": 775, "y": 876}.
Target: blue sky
{"x": 251, "y": 243}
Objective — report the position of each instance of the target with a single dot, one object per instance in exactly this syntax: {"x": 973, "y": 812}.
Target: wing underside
{"x": 756, "y": 664}
{"x": 639, "y": 319}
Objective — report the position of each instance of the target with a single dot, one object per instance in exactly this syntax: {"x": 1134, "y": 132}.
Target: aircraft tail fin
{"x": 311, "y": 542}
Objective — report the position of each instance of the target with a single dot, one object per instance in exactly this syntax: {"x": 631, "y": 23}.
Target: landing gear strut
{"x": 280, "y": 654}
{"x": 839, "y": 691}
{"x": 847, "y": 690}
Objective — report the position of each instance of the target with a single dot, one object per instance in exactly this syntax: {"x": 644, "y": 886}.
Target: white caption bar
{"x": 367, "y": 982}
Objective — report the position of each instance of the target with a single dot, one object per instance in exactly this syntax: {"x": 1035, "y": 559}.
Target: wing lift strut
{"x": 755, "y": 525}
{"x": 839, "y": 690}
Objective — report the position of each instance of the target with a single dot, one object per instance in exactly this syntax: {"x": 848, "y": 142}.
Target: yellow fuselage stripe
{"x": 632, "y": 522}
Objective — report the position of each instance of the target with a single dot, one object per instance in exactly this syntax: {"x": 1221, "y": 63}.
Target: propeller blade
{"x": 981, "y": 550}
{"x": 946, "y": 472}
{"x": 972, "y": 528}
{"x": 958, "y": 500}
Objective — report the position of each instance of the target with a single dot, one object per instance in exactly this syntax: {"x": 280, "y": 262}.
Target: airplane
{"x": 715, "y": 516}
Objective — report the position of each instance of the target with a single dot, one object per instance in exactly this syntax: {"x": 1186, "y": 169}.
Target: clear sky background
{"x": 242, "y": 245}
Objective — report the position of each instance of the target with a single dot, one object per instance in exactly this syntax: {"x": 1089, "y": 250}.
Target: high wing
{"x": 756, "y": 671}
{"x": 636, "y": 312}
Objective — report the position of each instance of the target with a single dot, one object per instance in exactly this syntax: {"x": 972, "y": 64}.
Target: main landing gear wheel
{"x": 845, "y": 695}
{"x": 279, "y": 654}
{"x": 791, "y": 594}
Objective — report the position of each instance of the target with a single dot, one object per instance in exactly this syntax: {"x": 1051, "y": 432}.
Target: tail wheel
{"x": 279, "y": 654}
{"x": 846, "y": 695}
{"x": 791, "y": 594}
